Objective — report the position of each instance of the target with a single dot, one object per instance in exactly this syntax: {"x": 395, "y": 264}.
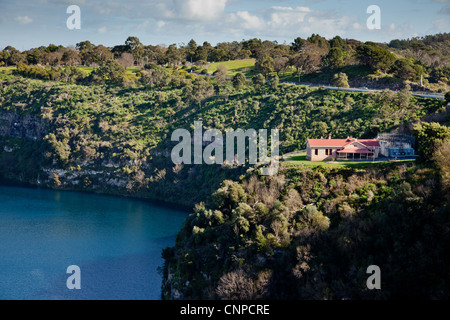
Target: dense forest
{"x": 311, "y": 234}
{"x": 99, "y": 119}
{"x": 314, "y": 59}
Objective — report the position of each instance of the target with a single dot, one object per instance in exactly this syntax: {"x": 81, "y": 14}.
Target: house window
{"x": 330, "y": 152}
{"x": 326, "y": 152}
{"x": 316, "y": 152}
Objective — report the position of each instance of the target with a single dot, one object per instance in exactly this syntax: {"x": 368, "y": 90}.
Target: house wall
{"x": 377, "y": 152}
{"x": 357, "y": 145}
{"x": 321, "y": 154}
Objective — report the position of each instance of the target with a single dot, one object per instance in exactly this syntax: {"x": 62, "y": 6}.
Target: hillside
{"x": 311, "y": 233}
{"x": 113, "y": 139}
{"x": 303, "y": 233}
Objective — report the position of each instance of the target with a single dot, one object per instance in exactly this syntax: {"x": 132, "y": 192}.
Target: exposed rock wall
{"x": 21, "y": 126}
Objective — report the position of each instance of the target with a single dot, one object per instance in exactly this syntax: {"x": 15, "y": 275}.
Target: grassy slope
{"x": 300, "y": 160}
{"x": 246, "y": 66}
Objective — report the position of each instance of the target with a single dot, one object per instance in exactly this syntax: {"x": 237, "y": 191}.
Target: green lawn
{"x": 300, "y": 160}
{"x": 7, "y": 68}
{"x": 88, "y": 70}
{"x": 246, "y": 66}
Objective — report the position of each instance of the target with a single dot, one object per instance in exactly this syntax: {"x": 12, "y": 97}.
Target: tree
{"x": 403, "y": 70}
{"x": 84, "y": 45}
{"x": 280, "y": 64}
{"x": 447, "y": 97}
{"x": 238, "y": 81}
{"x": 12, "y": 56}
{"x": 337, "y": 42}
{"x": 374, "y": 56}
{"x": 85, "y": 49}
{"x": 126, "y": 60}
{"x": 135, "y": 47}
{"x": 218, "y": 54}
{"x": 70, "y": 57}
{"x": 157, "y": 76}
{"x": 119, "y": 49}
{"x": 441, "y": 157}
{"x": 173, "y": 55}
{"x": 53, "y": 48}
{"x": 253, "y": 45}
{"x": 190, "y": 50}
{"x": 334, "y": 58}
{"x": 441, "y": 74}
{"x": 110, "y": 72}
{"x": 428, "y": 137}
{"x": 101, "y": 54}
{"x": 307, "y": 62}
{"x": 403, "y": 97}
{"x": 202, "y": 52}
{"x": 221, "y": 73}
{"x": 340, "y": 80}
{"x": 265, "y": 65}
{"x": 258, "y": 80}
{"x": 274, "y": 82}
{"x": 244, "y": 54}
{"x": 199, "y": 90}
{"x": 60, "y": 146}
{"x": 33, "y": 56}
{"x": 296, "y": 46}
{"x": 319, "y": 41}
{"x": 316, "y": 217}
{"x": 71, "y": 74}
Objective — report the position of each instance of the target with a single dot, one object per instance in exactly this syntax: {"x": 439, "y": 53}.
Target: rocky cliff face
{"x": 26, "y": 157}
{"x": 21, "y": 126}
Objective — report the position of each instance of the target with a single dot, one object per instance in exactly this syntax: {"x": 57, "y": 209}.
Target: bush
{"x": 340, "y": 80}
{"x": 428, "y": 137}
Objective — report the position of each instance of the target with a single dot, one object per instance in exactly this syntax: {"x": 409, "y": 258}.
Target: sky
{"x": 26, "y": 24}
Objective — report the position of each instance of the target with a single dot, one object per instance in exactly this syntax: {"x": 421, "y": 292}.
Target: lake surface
{"x": 116, "y": 242}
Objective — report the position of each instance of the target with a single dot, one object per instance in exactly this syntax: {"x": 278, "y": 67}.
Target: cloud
{"x": 160, "y": 24}
{"x": 441, "y": 25}
{"x": 286, "y": 17}
{"x": 244, "y": 20}
{"x": 102, "y": 30}
{"x": 274, "y": 20}
{"x": 290, "y": 22}
{"x": 445, "y": 10}
{"x": 182, "y": 10}
{"x": 67, "y": 2}
{"x": 24, "y": 19}
{"x": 199, "y": 10}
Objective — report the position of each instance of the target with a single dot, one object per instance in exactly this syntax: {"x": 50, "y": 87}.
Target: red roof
{"x": 342, "y": 142}
{"x": 354, "y": 151}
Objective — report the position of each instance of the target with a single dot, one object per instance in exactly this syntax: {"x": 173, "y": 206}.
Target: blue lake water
{"x": 116, "y": 242}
